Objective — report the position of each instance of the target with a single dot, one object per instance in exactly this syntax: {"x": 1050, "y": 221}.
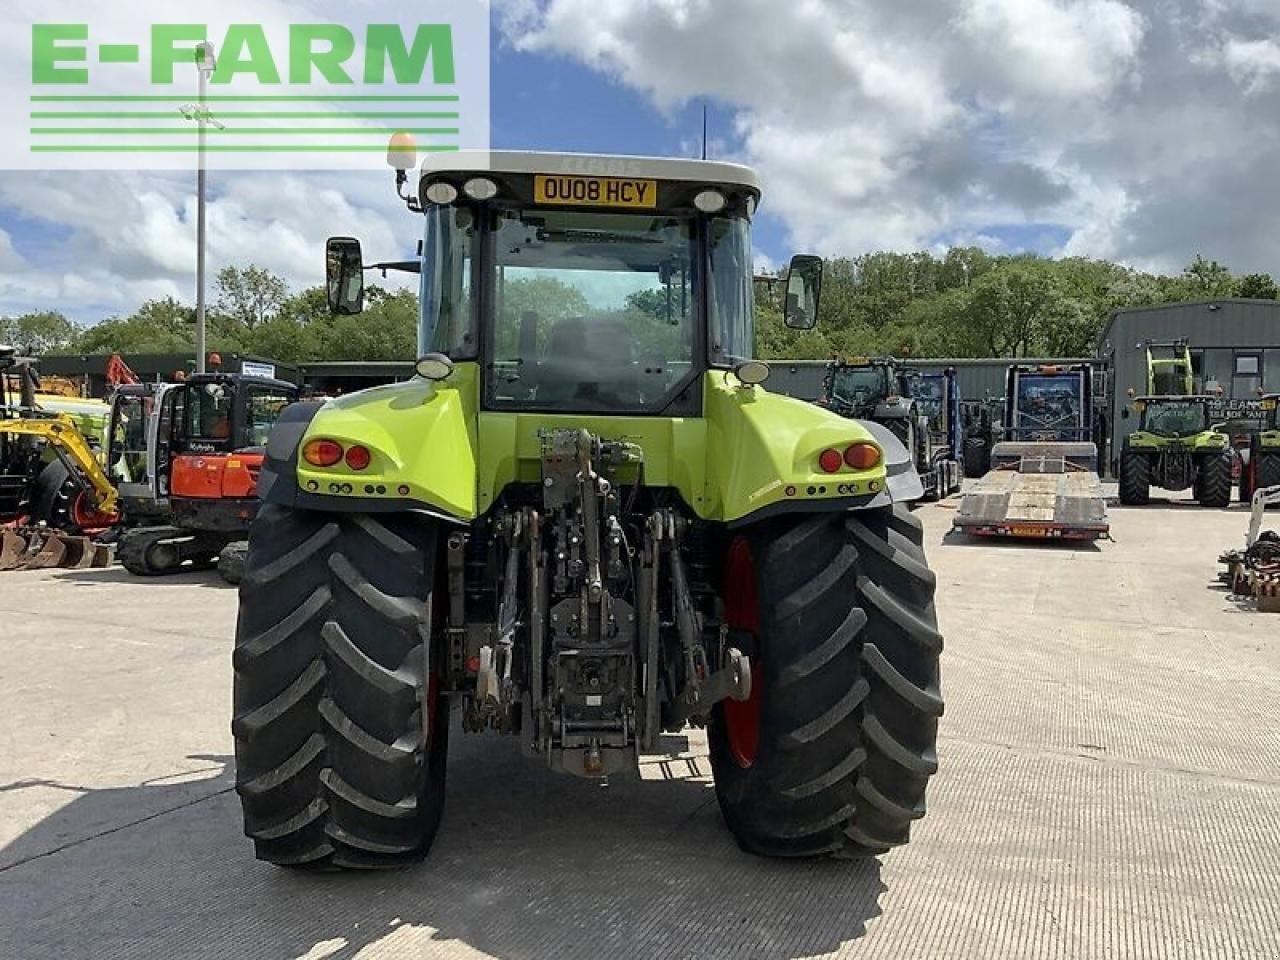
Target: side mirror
{"x": 344, "y": 276}
{"x": 804, "y": 292}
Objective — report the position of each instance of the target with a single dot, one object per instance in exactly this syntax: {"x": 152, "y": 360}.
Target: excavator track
{"x": 161, "y": 551}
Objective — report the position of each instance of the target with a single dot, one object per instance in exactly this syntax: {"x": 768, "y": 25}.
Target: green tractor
{"x": 583, "y": 524}
{"x": 1175, "y": 448}
{"x": 1262, "y": 467}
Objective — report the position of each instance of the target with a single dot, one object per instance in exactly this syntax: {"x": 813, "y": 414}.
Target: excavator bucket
{"x": 48, "y": 550}
{"x": 38, "y": 548}
{"x": 79, "y": 553}
{"x": 12, "y": 547}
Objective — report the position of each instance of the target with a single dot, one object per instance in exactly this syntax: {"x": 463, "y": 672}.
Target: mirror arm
{"x": 410, "y": 201}
{"x": 403, "y": 266}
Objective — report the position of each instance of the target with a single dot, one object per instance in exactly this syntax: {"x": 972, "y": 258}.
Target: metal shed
{"x": 1235, "y": 346}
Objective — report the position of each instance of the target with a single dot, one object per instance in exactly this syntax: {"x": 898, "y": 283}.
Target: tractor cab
{"x": 189, "y": 454}
{"x": 1049, "y": 404}
{"x": 858, "y": 388}
{"x": 1174, "y": 418}
{"x": 937, "y": 397}
{"x": 584, "y": 285}
{"x": 211, "y": 433}
{"x": 133, "y": 439}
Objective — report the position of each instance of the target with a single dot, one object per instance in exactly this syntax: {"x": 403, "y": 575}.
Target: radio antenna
{"x": 704, "y": 131}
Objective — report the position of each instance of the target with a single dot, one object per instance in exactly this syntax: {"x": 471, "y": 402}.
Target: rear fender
{"x": 420, "y": 436}
{"x": 763, "y": 453}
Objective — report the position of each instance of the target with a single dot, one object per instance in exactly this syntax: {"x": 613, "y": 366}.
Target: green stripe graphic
{"x": 236, "y": 114}
{"x": 227, "y": 98}
{"x": 243, "y": 131}
{"x": 228, "y": 148}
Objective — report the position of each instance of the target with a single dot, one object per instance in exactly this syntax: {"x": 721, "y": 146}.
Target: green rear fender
{"x": 763, "y": 451}
{"x": 421, "y": 437}
{"x": 1207, "y": 442}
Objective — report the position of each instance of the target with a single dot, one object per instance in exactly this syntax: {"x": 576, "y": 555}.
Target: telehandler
{"x": 583, "y": 524}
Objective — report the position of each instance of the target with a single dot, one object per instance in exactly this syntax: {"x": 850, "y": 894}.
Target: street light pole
{"x": 205, "y": 63}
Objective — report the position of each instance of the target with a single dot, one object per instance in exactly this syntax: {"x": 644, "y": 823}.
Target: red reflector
{"x": 830, "y": 460}
{"x": 358, "y": 458}
{"x": 322, "y": 453}
{"x": 862, "y": 456}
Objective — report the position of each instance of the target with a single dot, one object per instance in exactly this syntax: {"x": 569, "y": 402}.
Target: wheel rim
{"x": 86, "y": 516}
{"x": 742, "y": 612}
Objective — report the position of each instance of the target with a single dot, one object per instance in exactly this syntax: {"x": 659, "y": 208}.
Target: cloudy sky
{"x": 1145, "y": 131}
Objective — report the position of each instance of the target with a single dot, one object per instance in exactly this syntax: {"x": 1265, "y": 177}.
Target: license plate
{"x": 1030, "y": 532}
{"x": 595, "y": 192}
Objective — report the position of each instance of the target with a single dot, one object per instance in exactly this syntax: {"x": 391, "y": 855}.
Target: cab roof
{"x": 592, "y": 165}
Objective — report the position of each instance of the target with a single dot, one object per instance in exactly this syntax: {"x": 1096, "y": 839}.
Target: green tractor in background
{"x": 1262, "y": 469}
{"x": 1175, "y": 446}
{"x": 583, "y": 524}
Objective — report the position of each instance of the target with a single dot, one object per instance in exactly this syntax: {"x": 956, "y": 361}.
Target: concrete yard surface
{"x": 1109, "y": 788}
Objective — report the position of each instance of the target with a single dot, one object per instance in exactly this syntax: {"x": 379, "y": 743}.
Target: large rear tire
{"x": 335, "y": 765}
{"x": 834, "y": 754}
{"x": 53, "y": 498}
{"x": 1248, "y": 476}
{"x": 1135, "y": 478}
{"x": 977, "y": 457}
{"x": 1215, "y": 480}
{"x": 1268, "y": 474}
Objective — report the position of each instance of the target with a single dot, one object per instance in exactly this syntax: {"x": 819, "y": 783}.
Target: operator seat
{"x": 587, "y": 361}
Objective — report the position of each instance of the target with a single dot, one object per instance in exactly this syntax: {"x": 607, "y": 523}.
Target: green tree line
{"x": 966, "y": 303}
{"x": 969, "y": 303}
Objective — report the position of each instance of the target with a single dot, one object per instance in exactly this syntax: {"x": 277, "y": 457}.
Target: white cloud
{"x": 1254, "y": 64}
{"x": 892, "y": 124}
{"x": 131, "y": 236}
{"x": 1051, "y": 48}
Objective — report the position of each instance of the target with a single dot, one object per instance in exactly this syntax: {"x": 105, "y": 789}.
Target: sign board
{"x": 252, "y": 369}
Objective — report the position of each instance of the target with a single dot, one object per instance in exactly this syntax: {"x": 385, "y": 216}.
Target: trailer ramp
{"x": 1040, "y": 491}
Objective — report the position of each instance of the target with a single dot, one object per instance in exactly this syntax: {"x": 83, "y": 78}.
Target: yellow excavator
{"x": 53, "y": 490}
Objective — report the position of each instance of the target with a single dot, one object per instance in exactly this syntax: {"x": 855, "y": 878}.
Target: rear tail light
{"x": 322, "y": 453}
{"x": 358, "y": 458}
{"x": 862, "y": 456}
{"x": 830, "y": 460}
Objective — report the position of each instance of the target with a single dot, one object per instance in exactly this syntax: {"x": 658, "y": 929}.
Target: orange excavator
{"x": 211, "y": 435}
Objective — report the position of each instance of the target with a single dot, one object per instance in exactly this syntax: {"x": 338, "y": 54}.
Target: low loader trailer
{"x": 1044, "y": 481}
